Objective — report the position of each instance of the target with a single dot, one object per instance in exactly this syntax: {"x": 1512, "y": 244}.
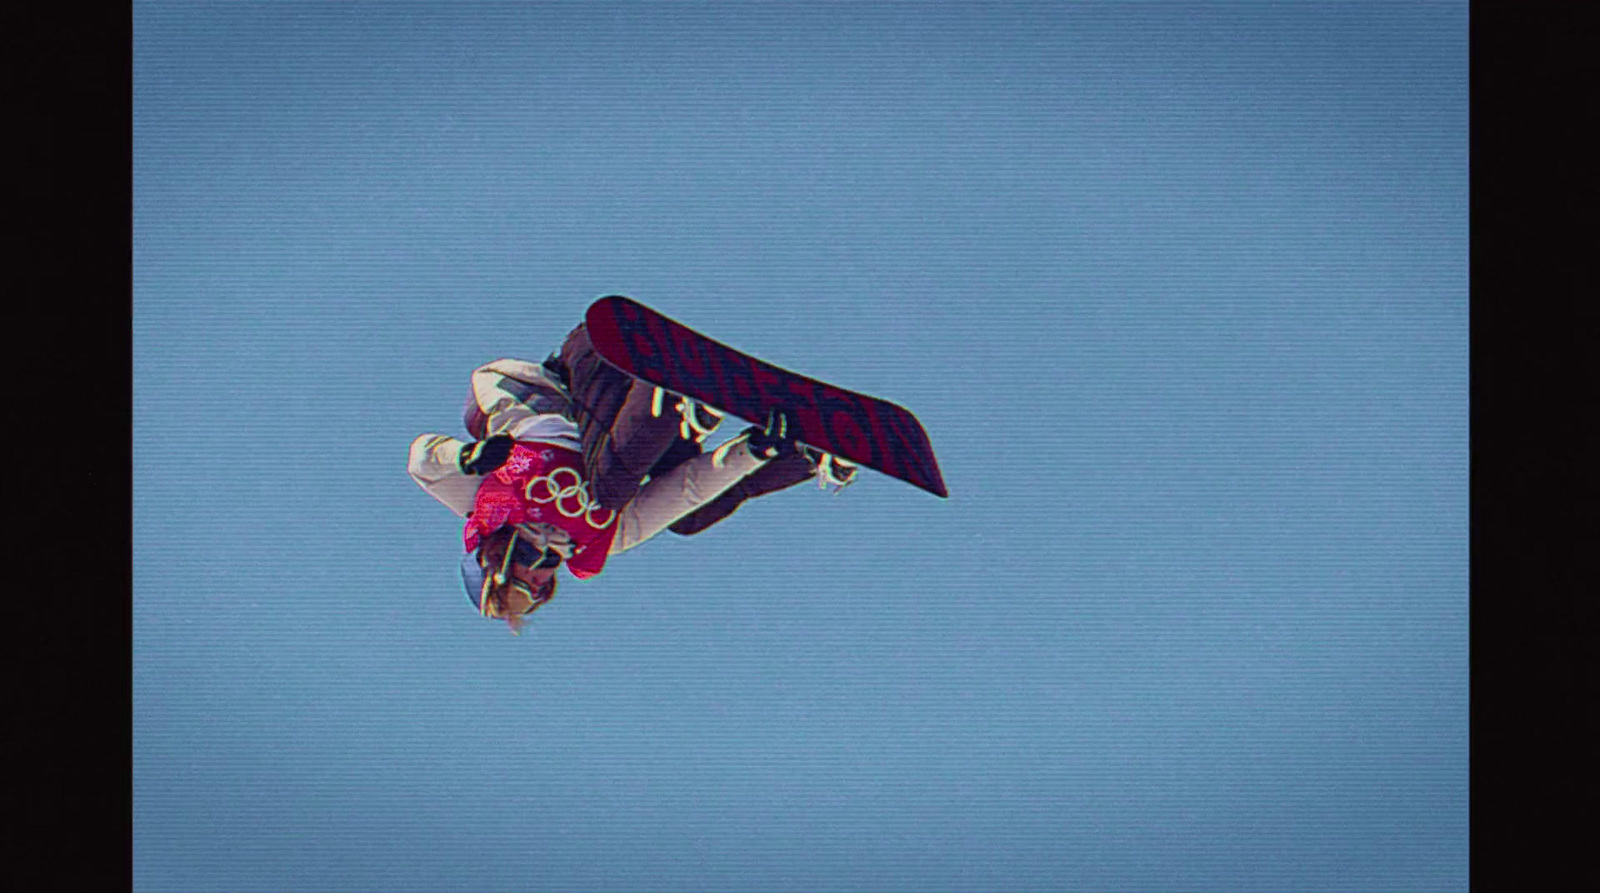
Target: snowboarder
{"x": 572, "y": 461}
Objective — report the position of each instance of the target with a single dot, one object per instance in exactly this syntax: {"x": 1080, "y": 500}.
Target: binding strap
{"x": 689, "y": 411}
{"x": 825, "y": 475}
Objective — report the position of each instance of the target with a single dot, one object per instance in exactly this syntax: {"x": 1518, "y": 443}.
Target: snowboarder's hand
{"x": 774, "y": 439}
{"x": 485, "y": 456}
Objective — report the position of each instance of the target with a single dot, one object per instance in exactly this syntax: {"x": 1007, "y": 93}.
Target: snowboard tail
{"x": 857, "y": 427}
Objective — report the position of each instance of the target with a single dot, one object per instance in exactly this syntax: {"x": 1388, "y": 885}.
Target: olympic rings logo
{"x": 577, "y": 491}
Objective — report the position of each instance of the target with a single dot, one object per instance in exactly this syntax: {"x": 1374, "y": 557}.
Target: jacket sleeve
{"x": 511, "y": 392}
{"x": 435, "y": 466}
{"x": 679, "y": 492}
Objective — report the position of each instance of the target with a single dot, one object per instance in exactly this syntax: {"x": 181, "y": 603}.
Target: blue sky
{"x": 1179, "y": 292}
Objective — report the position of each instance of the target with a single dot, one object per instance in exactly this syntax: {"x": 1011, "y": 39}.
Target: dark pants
{"x": 623, "y": 442}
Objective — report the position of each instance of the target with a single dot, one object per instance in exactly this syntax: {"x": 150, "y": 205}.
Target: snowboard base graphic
{"x": 668, "y": 354}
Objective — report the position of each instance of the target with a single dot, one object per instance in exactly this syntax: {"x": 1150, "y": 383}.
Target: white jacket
{"x": 500, "y": 389}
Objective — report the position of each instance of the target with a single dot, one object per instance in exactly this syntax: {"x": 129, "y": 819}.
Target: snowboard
{"x": 670, "y": 355}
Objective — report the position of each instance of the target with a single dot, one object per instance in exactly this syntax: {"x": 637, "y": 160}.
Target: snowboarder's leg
{"x": 638, "y": 438}
{"x": 625, "y": 430}
{"x": 680, "y": 452}
{"x": 779, "y": 474}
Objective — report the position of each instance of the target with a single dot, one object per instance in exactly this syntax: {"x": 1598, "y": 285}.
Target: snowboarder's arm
{"x": 435, "y": 464}
{"x": 680, "y": 491}
{"x": 511, "y": 393}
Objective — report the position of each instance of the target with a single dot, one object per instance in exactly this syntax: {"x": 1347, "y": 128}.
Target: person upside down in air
{"x": 572, "y": 461}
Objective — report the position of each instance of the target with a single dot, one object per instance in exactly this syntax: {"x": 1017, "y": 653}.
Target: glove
{"x": 485, "y": 456}
{"x": 774, "y": 439}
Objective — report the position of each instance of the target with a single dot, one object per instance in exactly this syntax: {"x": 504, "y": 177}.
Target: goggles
{"x": 527, "y": 554}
